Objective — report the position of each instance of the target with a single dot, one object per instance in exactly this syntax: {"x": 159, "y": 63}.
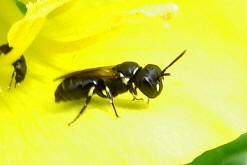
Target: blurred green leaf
{"x": 22, "y": 7}
{"x": 233, "y": 153}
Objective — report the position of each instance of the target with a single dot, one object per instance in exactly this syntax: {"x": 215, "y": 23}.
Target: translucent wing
{"x": 100, "y": 72}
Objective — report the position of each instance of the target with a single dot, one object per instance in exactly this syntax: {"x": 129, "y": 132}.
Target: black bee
{"x": 109, "y": 81}
{"x": 20, "y": 66}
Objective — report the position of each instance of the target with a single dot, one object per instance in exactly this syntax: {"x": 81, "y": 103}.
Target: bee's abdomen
{"x": 73, "y": 88}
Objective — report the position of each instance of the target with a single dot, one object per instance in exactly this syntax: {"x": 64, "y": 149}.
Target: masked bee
{"x": 109, "y": 81}
{"x": 20, "y": 66}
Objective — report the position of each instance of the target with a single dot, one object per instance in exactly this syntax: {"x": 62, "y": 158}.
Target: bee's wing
{"x": 100, "y": 72}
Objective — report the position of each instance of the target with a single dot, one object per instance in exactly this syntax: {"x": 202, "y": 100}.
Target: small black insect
{"x": 20, "y": 66}
{"x": 109, "y": 81}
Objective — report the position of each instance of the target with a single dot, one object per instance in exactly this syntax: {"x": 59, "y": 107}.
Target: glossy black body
{"x": 128, "y": 70}
{"x": 20, "y": 66}
{"x": 149, "y": 80}
{"x": 110, "y": 81}
{"x": 76, "y": 88}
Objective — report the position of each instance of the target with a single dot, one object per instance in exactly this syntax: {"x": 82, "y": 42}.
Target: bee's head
{"x": 150, "y": 78}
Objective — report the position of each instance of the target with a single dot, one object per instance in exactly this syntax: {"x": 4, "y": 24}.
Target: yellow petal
{"x": 7, "y": 18}
{"x": 23, "y": 32}
{"x": 97, "y": 24}
{"x": 202, "y": 104}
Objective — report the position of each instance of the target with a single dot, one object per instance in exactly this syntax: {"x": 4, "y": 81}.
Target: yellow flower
{"x": 202, "y": 104}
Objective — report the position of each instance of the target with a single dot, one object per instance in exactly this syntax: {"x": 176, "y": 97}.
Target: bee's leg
{"x": 148, "y": 101}
{"x": 88, "y": 99}
{"x": 109, "y": 95}
{"x": 135, "y": 98}
{"x": 133, "y": 91}
{"x": 12, "y": 77}
{"x": 16, "y": 83}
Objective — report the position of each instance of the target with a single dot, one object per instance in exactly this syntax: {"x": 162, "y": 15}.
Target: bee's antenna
{"x": 163, "y": 71}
